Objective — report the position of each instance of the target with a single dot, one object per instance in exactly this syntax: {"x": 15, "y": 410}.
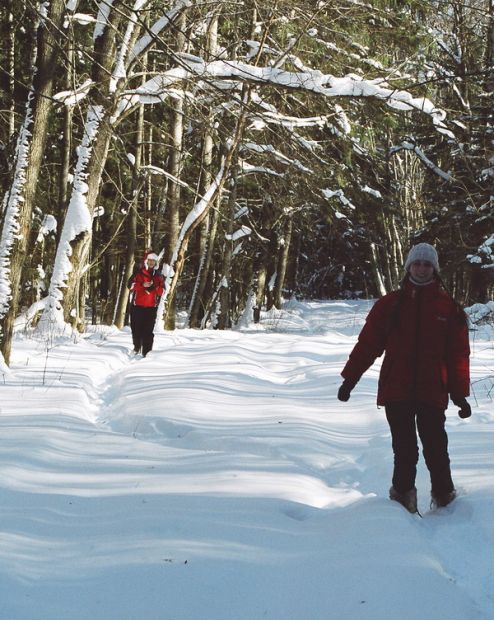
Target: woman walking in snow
{"x": 424, "y": 335}
{"x": 146, "y": 288}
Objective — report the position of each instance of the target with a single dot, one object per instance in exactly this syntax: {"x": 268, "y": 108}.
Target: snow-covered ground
{"x": 220, "y": 479}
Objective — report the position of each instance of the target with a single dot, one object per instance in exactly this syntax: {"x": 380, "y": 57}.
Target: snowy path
{"x": 221, "y": 479}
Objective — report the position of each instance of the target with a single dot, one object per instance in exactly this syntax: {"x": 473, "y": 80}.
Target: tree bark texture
{"x": 35, "y": 122}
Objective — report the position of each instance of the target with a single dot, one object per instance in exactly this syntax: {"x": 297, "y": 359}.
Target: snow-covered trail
{"x": 220, "y": 478}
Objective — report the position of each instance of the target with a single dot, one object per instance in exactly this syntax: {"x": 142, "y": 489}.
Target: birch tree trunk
{"x": 19, "y": 200}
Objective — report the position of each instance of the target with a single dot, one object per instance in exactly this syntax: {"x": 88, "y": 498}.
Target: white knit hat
{"x": 152, "y": 256}
{"x": 422, "y": 251}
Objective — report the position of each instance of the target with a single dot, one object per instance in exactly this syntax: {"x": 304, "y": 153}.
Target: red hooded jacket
{"x": 143, "y": 296}
{"x": 425, "y": 339}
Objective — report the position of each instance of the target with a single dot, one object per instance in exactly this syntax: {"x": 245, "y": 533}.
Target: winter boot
{"x": 408, "y": 499}
{"x": 439, "y": 500}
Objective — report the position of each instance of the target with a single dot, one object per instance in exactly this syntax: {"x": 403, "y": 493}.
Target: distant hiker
{"x": 146, "y": 287}
{"x": 424, "y": 335}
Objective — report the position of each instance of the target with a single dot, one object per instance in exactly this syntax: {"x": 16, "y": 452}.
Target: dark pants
{"x": 404, "y": 419}
{"x": 142, "y": 322}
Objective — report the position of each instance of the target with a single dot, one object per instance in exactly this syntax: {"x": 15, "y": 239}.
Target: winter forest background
{"x": 265, "y": 149}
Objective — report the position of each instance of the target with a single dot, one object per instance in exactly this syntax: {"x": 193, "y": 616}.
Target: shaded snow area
{"x": 220, "y": 479}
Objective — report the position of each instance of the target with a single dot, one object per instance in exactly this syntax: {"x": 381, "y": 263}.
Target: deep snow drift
{"x": 220, "y": 479}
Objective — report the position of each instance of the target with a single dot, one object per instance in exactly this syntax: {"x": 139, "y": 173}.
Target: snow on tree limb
{"x": 315, "y": 81}
{"x": 71, "y": 97}
{"x": 409, "y": 146}
{"x": 104, "y": 10}
{"x": 246, "y": 169}
{"x": 278, "y": 155}
{"x": 326, "y": 85}
{"x": 155, "y": 90}
{"x": 199, "y": 208}
{"x": 119, "y": 71}
{"x": 148, "y": 39}
{"x": 484, "y": 255}
{"x": 340, "y": 195}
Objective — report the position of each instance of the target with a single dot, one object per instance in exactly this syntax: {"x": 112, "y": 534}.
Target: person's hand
{"x": 465, "y": 411}
{"x": 147, "y": 284}
{"x": 345, "y": 389}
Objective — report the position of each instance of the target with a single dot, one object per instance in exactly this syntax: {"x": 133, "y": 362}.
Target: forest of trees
{"x": 263, "y": 149}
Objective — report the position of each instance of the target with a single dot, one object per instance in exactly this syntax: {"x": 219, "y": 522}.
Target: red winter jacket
{"x": 425, "y": 340}
{"x": 146, "y": 297}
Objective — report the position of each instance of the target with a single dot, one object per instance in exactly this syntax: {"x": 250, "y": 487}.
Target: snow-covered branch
{"x": 71, "y": 97}
{"x": 409, "y": 146}
{"x": 104, "y": 10}
{"x": 340, "y": 195}
{"x": 246, "y": 169}
{"x": 326, "y": 85}
{"x": 275, "y": 153}
{"x": 119, "y": 70}
{"x": 157, "y": 28}
{"x": 484, "y": 255}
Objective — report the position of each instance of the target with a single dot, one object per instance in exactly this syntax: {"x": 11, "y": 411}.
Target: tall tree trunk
{"x": 208, "y": 292}
{"x": 205, "y": 241}
{"x": 81, "y": 245}
{"x": 489, "y": 48}
{"x": 131, "y": 223}
{"x": 282, "y": 264}
{"x": 148, "y": 197}
{"x": 66, "y": 146}
{"x": 223, "y": 320}
{"x": 175, "y": 169}
{"x": 29, "y": 156}
{"x": 11, "y": 66}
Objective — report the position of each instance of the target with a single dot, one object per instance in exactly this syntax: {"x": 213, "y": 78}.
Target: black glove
{"x": 345, "y": 389}
{"x": 465, "y": 410}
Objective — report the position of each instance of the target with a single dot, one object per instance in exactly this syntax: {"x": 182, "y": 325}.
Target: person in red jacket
{"x": 424, "y": 336}
{"x": 146, "y": 287}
